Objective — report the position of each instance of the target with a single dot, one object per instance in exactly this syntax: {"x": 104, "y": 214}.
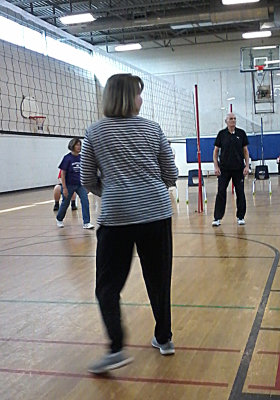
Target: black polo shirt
{"x": 231, "y": 145}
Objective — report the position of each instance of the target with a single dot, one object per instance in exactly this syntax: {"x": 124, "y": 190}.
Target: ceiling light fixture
{"x": 257, "y": 34}
{"x": 230, "y": 98}
{"x": 182, "y": 26}
{"x": 128, "y": 47}
{"x": 231, "y": 2}
{"x": 77, "y": 18}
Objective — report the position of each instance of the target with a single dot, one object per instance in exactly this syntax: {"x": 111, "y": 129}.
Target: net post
{"x": 232, "y": 185}
{"x": 200, "y": 201}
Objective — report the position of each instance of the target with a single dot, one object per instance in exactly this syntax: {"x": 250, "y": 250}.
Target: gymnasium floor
{"x": 225, "y": 305}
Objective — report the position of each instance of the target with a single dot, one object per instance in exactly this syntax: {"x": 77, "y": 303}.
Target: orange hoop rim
{"x": 259, "y": 67}
{"x": 35, "y": 117}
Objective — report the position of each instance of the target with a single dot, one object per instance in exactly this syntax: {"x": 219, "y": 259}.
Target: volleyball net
{"x": 52, "y": 87}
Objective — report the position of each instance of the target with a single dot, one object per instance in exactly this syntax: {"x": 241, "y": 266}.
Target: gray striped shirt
{"x": 128, "y": 161}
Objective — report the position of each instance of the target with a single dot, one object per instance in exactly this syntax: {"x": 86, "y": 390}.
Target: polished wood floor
{"x": 225, "y": 305}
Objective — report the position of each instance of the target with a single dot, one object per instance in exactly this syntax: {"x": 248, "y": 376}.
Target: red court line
{"x": 263, "y": 387}
{"x": 115, "y": 378}
{"x": 277, "y": 379}
{"x": 210, "y": 349}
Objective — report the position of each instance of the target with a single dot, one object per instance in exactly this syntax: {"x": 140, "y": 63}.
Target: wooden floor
{"x": 225, "y": 305}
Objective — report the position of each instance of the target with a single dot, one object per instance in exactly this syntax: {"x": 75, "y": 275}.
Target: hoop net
{"x": 38, "y": 121}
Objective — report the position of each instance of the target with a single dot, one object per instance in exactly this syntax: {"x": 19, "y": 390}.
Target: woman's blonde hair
{"x": 119, "y": 95}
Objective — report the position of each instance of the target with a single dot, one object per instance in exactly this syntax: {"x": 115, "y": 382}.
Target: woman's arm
{"x": 89, "y": 170}
{"x": 169, "y": 171}
{"x": 63, "y": 181}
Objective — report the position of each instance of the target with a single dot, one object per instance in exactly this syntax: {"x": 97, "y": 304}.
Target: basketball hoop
{"x": 38, "y": 122}
{"x": 260, "y": 69}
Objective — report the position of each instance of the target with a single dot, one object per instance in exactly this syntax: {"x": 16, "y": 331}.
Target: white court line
{"x": 28, "y": 206}
{"x": 44, "y": 202}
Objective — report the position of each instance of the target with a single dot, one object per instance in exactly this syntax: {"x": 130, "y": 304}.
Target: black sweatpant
{"x": 221, "y": 198}
{"x": 113, "y": 259}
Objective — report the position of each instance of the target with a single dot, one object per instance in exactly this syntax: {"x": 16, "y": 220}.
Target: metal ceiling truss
{"x": 127, "y": 21}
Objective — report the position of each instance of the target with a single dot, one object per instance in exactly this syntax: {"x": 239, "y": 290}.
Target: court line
{"x": 264, "y": 387}
{"x": 70, "y": 302}
{"x": 259, "y": 396}
{"x": 114, "y": 378}
{"x": 26, "y": 206}
{"x": 16, "y": 208}
{"x": 237, "y": 387}
{"x": 54, "y": 240}
{"x": 137, "y": 346}
{"x": 267, "y": 328}
{"x": 134, "y": 256}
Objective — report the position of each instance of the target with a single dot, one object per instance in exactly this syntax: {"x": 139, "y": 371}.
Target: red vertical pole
{"x": 200, "y": 202}
{"x": 232, "y": 185}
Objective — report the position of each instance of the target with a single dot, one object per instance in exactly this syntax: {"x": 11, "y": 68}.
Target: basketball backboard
{"x": 252, "y": 57}
{"x": 28, "y": 107}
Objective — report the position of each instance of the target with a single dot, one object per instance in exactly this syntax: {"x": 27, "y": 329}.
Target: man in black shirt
{"x": 233, "y": 144}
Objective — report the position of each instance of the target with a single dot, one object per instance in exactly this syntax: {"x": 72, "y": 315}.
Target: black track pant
{"x": 221, "y": 198}
{"x": 113, "y": 259}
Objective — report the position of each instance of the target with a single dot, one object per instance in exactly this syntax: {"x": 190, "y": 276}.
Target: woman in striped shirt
{"x": 127, "y": 160}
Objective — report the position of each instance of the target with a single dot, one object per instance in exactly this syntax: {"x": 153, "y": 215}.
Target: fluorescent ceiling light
{"x": 183, "y": 26}
{"x": 258, "y": 34}
{"x": 264, "y": 47}
{"x": 128, "y": 47}
{"x": 230, "y": 2}
{"x": 231, "y": 98}
{"x": 77, "y": 18}
{"x": 192, "y": 25}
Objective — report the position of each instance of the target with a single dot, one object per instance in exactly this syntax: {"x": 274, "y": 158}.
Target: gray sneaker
{"x": 110, "y": 361}
{"x": 165, "y": 349}
{"x": 241, "y": 221}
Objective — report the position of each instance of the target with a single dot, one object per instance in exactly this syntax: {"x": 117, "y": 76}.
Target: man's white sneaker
{"x": 60, "y": 224}
{"x": 241, "y": 221}
{"x": 88, "y": 226}
{"x": 216, "y": 222}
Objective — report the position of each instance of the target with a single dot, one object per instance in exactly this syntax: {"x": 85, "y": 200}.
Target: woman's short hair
{"x": 119, "y": 95}
{"x": 73, "y": 143}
